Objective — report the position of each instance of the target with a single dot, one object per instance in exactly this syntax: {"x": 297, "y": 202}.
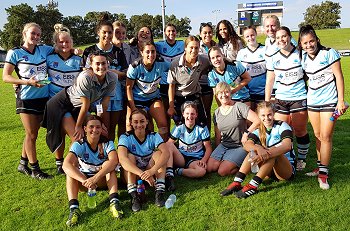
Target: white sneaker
{"x": 322, "y": 179}
{"x": 301, "y": 164}
{"x": 313, "y": 173}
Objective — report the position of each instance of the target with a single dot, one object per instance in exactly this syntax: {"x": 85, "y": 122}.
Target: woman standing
{"x": 284, "y": 69}
{"x": 206, "y": 35}
{"x": 272, "y": 144}
{"x": 142, "y": 84}
{"x": 119, "y": 36}
{"x": 63, "y": 67}
{"x": 29, "y": 61}
{"x": 229, "y": 42}
{"x": 230, "y": 121}
{"x": 95, "y": 83}
{"x": 117, "y": 64}
{"x": 252, "y": 58}
{"x": 232, "y": 73}
{"x": 183, "y": 78}
{"x": 143, "y": 35}
{"x": 325, "y": 94}
{"x": 143, "y": 154}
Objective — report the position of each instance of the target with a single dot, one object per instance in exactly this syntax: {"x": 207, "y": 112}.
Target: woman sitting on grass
{"x": 273, "y": 144}
{"x": 91, "y": 163}
{"x": 194, "y": 144}
{"x": 143, "y": 154}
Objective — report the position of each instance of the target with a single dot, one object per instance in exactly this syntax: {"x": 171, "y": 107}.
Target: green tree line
{"x": 82, "y": 28}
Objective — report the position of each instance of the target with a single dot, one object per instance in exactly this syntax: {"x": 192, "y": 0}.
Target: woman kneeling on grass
{"x": 91, "y": 163}
{"x": 143, "y": 154}
{"x": 273, "y": 144}
{"x": 194, "y": 144}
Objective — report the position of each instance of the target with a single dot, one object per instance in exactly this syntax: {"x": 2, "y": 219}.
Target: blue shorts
{"x": 189, "y": 160}
{"x": 234, "y": 155}
{"x": 115, "y": 105}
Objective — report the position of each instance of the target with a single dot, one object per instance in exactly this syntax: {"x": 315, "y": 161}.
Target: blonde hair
{"x": 29, "y": 25}
{"x": 262, "y": 129}
{"x": 221, "y": 87}
{"x": 274, "y": 17}
{"x": 118, "y": 24}
{"x": 60, "y": 29}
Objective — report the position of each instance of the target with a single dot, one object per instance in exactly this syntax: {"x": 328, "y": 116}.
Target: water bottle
{"x": 253, "y": 166}
{"x": 91, "y": 198}
{"x": 169, "y": 203}
{"x": 336, "y": 114}
{"x": 141, "y": 191}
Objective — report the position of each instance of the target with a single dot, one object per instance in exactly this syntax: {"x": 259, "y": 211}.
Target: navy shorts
{"x": 287, "y": 107}
{"x": 322, "y": 108}
{"x": 31, "y": 106}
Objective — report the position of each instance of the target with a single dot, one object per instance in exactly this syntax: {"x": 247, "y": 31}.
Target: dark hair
{"x": 135, "y": 40}
{"x": 102, "y": 139}
{"x": 205, "y": 24}
{"x": 233, "y": 37}
{"x": 305, "y": 30}
{"x": 249, "y": 27}
{"x": 91, "y": 117}
{"x": 190, "y": 104}
{"x": 139, "y": 111}
{"x": 97, "y": 53}
{"x": 104, "y": 21}
{"x": 191, "y": 38}
{"x": 286, "y": 29}
{"x": 144, "y": 44}
{"x": 215, "y": 48}
{"x": 169, "y": 24}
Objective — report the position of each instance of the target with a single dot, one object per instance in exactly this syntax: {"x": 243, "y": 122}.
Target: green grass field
{"x": 28, "y": 204}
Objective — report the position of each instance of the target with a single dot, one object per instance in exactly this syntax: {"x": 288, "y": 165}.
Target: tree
{"x": 325, "y": 15}
{"x": 75, "y": 25}
{"x": 18, "y": 15}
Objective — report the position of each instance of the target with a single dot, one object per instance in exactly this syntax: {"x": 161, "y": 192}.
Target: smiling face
{"x": 266, "y": 116}
{"x": 309, "y": 44}
{"x": 250, "y": 37}
{"x": 64, "y": 43}
{"x": 32, "y": 35}
{"x": 282, "y": 39}
{"x": 120, "y": 33}
{"x": 93, "y": 129}
{"x": 191, "y": 50}
{"x": 190, "y": 115}
{"x": 223, "y": 31}
{"x": 206, "y": 34}
{"x": 138, "y": 122}
{"x": 224, "y": 96}
{"x": 170, "y": 33}
{"x": 99, "y": 65}
{"x": 216, "y": 58}
{"x": 105, "y": 34}
{"x": 148, "y": 54}
{"x": 144, "y": 35}
{"x": 270, "y": 26}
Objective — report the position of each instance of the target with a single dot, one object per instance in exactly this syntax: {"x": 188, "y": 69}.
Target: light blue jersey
{"x": 255, "y": 64}
{"x": 142, "y": 150}
{"x": 29, "y": 64}
{"x": 191, "y": 140}
{"x": 62, "y": 73}
{"x": 90, "y": 161}
{"x": 232, "y": 76}
{"x": 289, "y": 76}
{"x": 322, "y": 86}
{"x": 169, "y": 53}
{"x": 146, "y": 81}
{"x": 280, "y": 131}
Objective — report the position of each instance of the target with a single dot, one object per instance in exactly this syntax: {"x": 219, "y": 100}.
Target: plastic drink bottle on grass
{"x": 91, "y": 198}
{"x": 169, "y": 203}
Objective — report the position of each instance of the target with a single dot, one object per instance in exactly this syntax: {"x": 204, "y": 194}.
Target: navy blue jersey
{"x": 62, "y": 72}
{"x": 191, "y": 140}
{"x": 90, "y": 161}
{"x": 28, "y": 64}
{"x": 280, "y": 131}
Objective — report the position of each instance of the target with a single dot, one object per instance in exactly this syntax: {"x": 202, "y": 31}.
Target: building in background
{"x": 255, "y": 13}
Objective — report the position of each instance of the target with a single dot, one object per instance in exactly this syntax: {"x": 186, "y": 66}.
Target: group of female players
{"x": 144, "y": 81}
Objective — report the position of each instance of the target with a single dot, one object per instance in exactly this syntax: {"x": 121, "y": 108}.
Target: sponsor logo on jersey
{"x": 32, "y": 72}
{"x": 57, "y": 77}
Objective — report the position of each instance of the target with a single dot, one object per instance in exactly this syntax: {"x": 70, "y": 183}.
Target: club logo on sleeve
{"x": 55, "y": 64}
{"x": 86, "y": 156}
{"x": 133, "y": 148}
{"x": 25, "y": 58}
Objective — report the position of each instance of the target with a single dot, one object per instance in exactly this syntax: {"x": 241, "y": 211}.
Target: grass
{"x": 28, "y": 204}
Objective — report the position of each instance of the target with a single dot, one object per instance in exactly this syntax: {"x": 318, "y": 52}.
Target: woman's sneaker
{"x": 116, "y": 210}
{"x": 313, "y": 173}
{"x": 40, "y": 175}
{"x": 322, "y": 180}
{"x": 24, "y": 169}
{"x": 73, "y": 218}
{"x": 233, "y": 187}
{"x": 247, "y": 191}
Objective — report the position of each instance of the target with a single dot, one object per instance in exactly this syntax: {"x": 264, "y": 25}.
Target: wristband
{"x": 246, "y": 131}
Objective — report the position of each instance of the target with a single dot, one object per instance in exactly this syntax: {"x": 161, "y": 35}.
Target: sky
{"x": 197, "y": 10}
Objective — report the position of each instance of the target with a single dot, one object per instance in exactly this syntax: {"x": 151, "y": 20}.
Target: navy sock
{"x": 73, "y": 203}
{"x": 113, "y": 197}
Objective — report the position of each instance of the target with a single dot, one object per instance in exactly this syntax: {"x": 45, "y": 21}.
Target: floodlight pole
{"x": 163, "y": 18}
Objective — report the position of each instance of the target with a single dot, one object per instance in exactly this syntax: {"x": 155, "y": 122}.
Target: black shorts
{"x": 206, "y": 90}
{"x": 189, "y": 160}
{"x": 145, "y": 104}
{"x": 323, "y": 108}
{"x": 287, "y": 107}
{"x": 31, "y": 106}
{"x": 273, "y": 93}
{"x": 257, "y": 98}
{"x": 164, "y": 90}
{"x": 241, "y": 100}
